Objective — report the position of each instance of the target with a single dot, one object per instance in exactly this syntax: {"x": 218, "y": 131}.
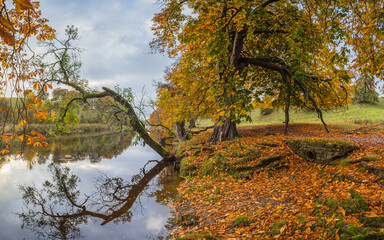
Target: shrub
{"x": 266, "y": 111}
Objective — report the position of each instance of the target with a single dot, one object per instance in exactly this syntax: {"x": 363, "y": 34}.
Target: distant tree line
{"x": 60, "y": 108}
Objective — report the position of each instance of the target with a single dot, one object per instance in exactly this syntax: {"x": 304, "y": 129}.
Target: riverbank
{"x": 230, "y": 193}
{"x": 50, "y": 129}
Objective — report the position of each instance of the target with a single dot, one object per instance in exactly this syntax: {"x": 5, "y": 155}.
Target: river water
{"x": 97, "y": 187}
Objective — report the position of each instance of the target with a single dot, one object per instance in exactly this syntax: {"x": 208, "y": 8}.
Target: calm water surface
{"x": 86, "y": 187}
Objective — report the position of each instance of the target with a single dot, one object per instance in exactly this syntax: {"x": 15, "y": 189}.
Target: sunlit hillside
{"x": 357, "y": 113}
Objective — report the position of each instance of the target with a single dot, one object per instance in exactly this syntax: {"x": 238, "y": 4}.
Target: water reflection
{"x": 118, "y": 185}
{"x": 93, "y": 148}
{"x": 57, "y": 210}
{"x": 70, "y": 149}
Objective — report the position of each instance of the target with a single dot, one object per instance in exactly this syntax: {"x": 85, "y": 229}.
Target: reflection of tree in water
{"x": 69, "y": 149}
{"x": 168, "y": 180}
{"x": 93, "y": 148}
{"x": 57, "y": 210}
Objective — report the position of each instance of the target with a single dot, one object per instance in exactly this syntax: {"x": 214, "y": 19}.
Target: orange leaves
{"x": 6, "y": 31}
{"x": 285, "y": 203}
{"x": 33, "y": 139}
{"x": 6, "y": 36}
{"x": 41, "y": 115}
{"x": 4, "y": 151}
{"x": 37, "y": 85}
{"x": 46, "y": 86}
{"x": 22, "y": 122}
{"x": 6, "y": 138}
{"x": 23, "y": 4}
{"x": 20, "y": 20}
{"x": 6, "y": 24}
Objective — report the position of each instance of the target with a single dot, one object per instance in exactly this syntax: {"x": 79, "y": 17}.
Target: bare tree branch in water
{"x": 57, "y": 210}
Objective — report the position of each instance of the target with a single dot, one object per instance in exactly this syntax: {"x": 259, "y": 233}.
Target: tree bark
{"x": 181, "y": 134}
{"x": 287, "y": 101}
{"x": 226, "y": 131}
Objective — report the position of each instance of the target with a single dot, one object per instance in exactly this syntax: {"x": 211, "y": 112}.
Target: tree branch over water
{"x": 66, "y": 71}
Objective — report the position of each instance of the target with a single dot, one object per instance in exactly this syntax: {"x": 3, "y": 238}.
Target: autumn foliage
{"x": 234, "y": 56}
{"x": 19, "y": 21}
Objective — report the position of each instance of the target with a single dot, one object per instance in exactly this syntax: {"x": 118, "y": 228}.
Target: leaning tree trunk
{"x": 137, "y": 125}
{"x": 222, "y": 131}
{"x": 133, "y": 119}
{"x": 181, "y": 134}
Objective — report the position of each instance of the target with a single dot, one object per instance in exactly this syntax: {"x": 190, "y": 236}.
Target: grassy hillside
{"x": 358, "y": 113}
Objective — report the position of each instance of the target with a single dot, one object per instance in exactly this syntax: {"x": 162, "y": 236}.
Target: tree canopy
{"x": 278, "y": 53}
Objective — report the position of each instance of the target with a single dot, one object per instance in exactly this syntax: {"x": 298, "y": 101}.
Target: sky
{"x": 115, "y": 36}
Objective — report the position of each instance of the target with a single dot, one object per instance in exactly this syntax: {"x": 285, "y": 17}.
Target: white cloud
{"x": 115, "y": 35}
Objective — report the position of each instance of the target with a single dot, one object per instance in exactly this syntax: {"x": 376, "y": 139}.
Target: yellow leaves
{"x": 22, "y": 122}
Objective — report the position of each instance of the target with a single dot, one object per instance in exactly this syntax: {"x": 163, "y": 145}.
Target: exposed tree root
{"x": 363, "y": 159}
{"x": 350, "y": 178}
{"x": 378, "y": 171}
{"x": 202, "y": 130}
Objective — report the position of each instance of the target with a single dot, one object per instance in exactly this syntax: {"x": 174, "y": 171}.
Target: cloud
{"x": 155, "y": 223}
{"x": 115, "y": 35}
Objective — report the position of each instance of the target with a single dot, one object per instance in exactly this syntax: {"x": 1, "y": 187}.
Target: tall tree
{"x": 241, "y": 45}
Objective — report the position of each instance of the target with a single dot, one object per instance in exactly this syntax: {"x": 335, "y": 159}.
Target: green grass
{"x": 359, "y": 113}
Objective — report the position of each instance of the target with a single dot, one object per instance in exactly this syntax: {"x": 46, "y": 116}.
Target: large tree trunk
{"x": 226, "y": 130}
{"x": 287, "y": 102}
{"x": 181, "y": 134}
{"x": 223, "y": 131}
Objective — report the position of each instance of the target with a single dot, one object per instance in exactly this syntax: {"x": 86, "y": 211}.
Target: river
{"x": 90, "y": 187}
